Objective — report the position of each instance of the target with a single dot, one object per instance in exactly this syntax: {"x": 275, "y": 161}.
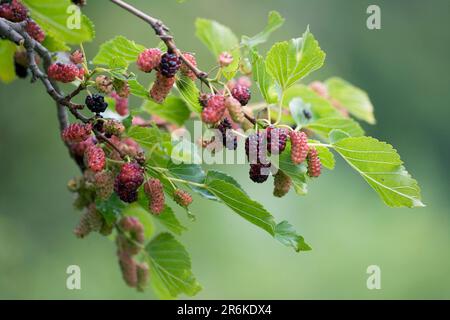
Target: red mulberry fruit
{"x": 225, "y": 59}
{"x": 96, "y": 103}
{"x": 229, "y": 139}
{"x": 299, "y": 146}
{"x": 149, "y": 59}
{"x": 185, "y": 70}
{"x": 35, "y": 31}
{"x": 214, "y": 110}
{"x": 259, "y": 172}
{"x": 128, "y": 181}
{"x": 142, "y": 276}
{"x": 155, "y": 192}
{"x": 77, "y": 132}
{"x": 183, "y": 198}
{"x": 13, "y": 11}
{"x": 95, "y": 158}
{"x": 235, "y": 109}
{"x": 64, "y": 73}
{"x": 161, "y": 88}
{"x": 104, "y": 184}
{"x": 241, "y": 94}
{"x": 104, "y": 84}
{"x": 282, "y": 183}
{"x": 121, "y": 104}
{"x": 276, "y": 140}
{"x": 170, "y": 63}
{"x": 77, "y": 57}
{"x": 314, "y": 165}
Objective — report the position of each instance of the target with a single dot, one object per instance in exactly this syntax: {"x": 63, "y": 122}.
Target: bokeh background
{"x": 404, "y": 67}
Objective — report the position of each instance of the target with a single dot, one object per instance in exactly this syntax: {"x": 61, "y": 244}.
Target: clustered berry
{"x": 276, "y": 140}
{"x": 149, "y": 59}
{"x": 241, "y": 93}
{"x": 154, "y": 190}
{"x": 170, "y": 63}
{"x": 77, "y": 132}
{"x": 127, "y": 182}
{"x": 182, "y": 197}
{"x": 113, "y": 128}
{"x": 282, "y": 183}
{"x": 229, "y": 140}
{"x": 314, "y": 165}
{"x": 77, "y": 57}
{"x": 235, "y": 109}
{"x": 79, "y": 148}
{"x": 121, "y": 104}
{"x": 64, "y": 73}
{"x": 185, "y": 70}
{"x": 95, "y": 158}
{"x": 13, "y": 11}
{"x": 133, "y": 236}
{"x": 96, "y": 103}
{"x": 214, "y": 110}
{"x": 104, "y": 84}
{"x": 299, "y": 146}
{"x": 225, "y": 59}
{"x": 161, "y": 88}
{"x": 90, "y": 221}
{"x": 35, "y": 31}
{"x": 104, "y": 184}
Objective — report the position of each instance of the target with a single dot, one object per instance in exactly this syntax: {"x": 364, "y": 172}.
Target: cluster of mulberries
{"x": 77, "y": 132}
{"x": 64, "y": 73}
{"x": 229, "y": 139}
{"x": 299, "y": 146}
{"x": 149, "y": 59}
{"x": 170, "y": 64}
{"x": 127, "y": 182}
{"x": 182, "y": 197}
{"x": 95, "y": 158}
{"x": 13, "y": 10}
{"x": 161, "y": 87}
{"x": 185, "y": 70}
{"x": 96, "y": 103}
{"x": 154, "y": 190}
{"x": 104, "y": 184}
{"x": 214, "y": 110}
{"x": 35, "y": 31}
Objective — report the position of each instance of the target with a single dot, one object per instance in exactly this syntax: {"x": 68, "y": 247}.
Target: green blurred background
{"x": 404, "y": 67}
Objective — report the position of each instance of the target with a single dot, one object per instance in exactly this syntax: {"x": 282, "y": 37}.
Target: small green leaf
{"x": 286, "y": 234}
{"x": 351, "y": 98}
{"x": 118, "y": 48}
{"x": 147, "y": 137}
{"x": 261, "y": 77}
{"x": 174, "y": 110}
{"x": 189, "y": 92}
{"x": 110, "y": 209}
{"x": 274, "y": 22}
{"x": 324, "y": 126}
{"x": 54, "y": 16}
{"x": 380, "y": 165}
{"x": 289, "y": 62}
{"x": 336, "y": 135}
{"x": 170, "y": 266}
{"x": 7, "y": 71}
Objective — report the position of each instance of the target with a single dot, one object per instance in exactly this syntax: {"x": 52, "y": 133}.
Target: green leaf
{"x": 118, "y": 48}
{"x": 54, "y": 44}
{"x": 217, "y": 175}
{"x": 170, "y": 221}
{"x": 289, "y": 62}
{"x": 7, "y": 71}
{"x": 147, "y": 137}
{"x": 110, "y": 209}
{"x": 336, "y": 135}
{"x": 260, "y": 76}
{"x": 351, "y": 98}
{"x": 174, "y": 110}
{"x": 219, "y": 38}
{"x": 170, "y": 266}
{"x": 324, "y": 126}
{"x": 135, "y": 210}
{"x": 285, "y": 233}
{"x": 137, "y": 89}
{"x": 189, "y": 92}
{"x": 275, "y": 21}
{"x": 53, "y": 17}
{"x": 380, "y": 165}
{"x": 298, "y": 107}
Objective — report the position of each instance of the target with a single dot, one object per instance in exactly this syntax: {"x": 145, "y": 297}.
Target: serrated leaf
{"x": 189, "y": 92}
{"x": 380, "y": 165}
{"x": 53, "y": 17}
{"x": 173, "y": 109}
{"x": 7, "y": 70}
{"x": 286, "y": 234}
{"x": 291, "y": 61}
{"x": 274, "y": 22}
{"x": 137, "y": 89}
{"x": 147, "y": 137}
{"x": 118, "y": 48}
{"x": 260, "y": 76}
{"x": 351, "y": 98}
{"x": 218, "y": 175}
{"x": 324, "y": 126}
{"x": 53, "y": 44}
{"x": 170, "y": 266}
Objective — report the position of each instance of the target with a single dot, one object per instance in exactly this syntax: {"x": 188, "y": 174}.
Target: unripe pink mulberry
{"x": 121, "y": 104}
{"x": 64, "y": 73}
{"x": 113, "y": 128}
{"x": 142, "y": 276}
{"x": 282, "y": 183}
{"x": 104, "y": 84}
{"x": 128, "y": 268}
{"x": 182, "y": 197}
{"x": 13, "y": 11}
{"x": 155, "y": 192}
{"x": 161, "y": 88}
{"x": 135, "y": 231}
{"x": 104, "y": 184}
{"x": 95, "y": 158}
{"x": 77, "y": 132}
{"x": 225, "y": 59}
{"x": 314, "y": 165}
{"x": 149, "y": 59}
{"x": 299, "y": 146}
{"x": 235, "y": 109}
{"x": 185, "y": 70}
{"x": 35, "y": 31}
{"x": 79, "y": 148}
{"x": 214, "y": 110}
{"x": 77, "y": 57}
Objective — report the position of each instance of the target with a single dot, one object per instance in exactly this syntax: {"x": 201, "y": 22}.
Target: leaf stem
{"x": 200, "y": 185}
